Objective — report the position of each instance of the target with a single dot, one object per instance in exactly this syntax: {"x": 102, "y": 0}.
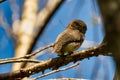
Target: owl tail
{"x": 53, "y": 51}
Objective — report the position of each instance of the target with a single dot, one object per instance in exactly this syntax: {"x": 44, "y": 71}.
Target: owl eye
{"x": 76, "y": 24}
{"x": 84, "y": 28}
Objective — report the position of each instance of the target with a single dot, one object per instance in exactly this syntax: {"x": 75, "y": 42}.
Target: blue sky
{"x": 86, "y": 10}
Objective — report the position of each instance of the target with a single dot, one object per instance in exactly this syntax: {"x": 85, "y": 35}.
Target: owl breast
{"x": 68, "y": 41}
{"x": 71, "y": 47}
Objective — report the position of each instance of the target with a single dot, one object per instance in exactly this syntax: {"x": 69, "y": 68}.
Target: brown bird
{"x": 71, "y": 39}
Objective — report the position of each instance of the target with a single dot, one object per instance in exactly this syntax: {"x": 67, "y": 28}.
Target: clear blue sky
{"x": 85, "y": 10}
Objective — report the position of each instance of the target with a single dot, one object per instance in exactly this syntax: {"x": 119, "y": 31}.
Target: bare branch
{"x": 26, "y": 56}
{"x": 55, "y": 63}
{"x": 110, "y": 10}
{"x": 15, "y": 16}
{"x": 24, "y": 34}
{"x": 19, "y": 60}
{"x": 39, "y": 50}
{"x": 55, "y": 71}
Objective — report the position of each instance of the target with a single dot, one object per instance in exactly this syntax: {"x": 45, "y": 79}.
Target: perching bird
{"x": 71, "y": 39}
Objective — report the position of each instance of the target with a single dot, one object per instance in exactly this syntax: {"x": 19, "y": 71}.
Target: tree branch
{"x": 19, "y": 60}
{"x": 28, "y": 55}
{"x": 24, "y": 34}
{"x": 55, "y": 63}
{"x": 58, "y": 70}
{"x": 110, "y": 10}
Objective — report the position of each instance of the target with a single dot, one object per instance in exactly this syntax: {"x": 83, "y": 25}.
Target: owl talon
{"x": 70, "y": 53}
{"x": 61, "y": 55}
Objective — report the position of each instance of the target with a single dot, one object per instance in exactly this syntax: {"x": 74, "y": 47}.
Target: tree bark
{"x": 110, "y": 10}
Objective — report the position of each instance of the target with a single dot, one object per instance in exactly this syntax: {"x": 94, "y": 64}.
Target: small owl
{"x": 71, "y": 39}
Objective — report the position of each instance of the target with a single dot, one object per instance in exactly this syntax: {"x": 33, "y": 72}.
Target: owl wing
{"x": 62, "y": 40}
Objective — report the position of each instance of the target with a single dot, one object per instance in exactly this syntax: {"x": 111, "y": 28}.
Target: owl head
{"x": 78, "y": 25}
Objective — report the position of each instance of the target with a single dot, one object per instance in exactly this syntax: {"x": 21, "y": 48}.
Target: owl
{"x": 71, "y": 38}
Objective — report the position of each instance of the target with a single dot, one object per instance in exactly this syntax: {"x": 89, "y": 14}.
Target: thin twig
{"x": 29, "y": 55}
{"x": 39, "y": 50}
{"x": 19, "y": 60}
{"x": 55, "y": 71}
